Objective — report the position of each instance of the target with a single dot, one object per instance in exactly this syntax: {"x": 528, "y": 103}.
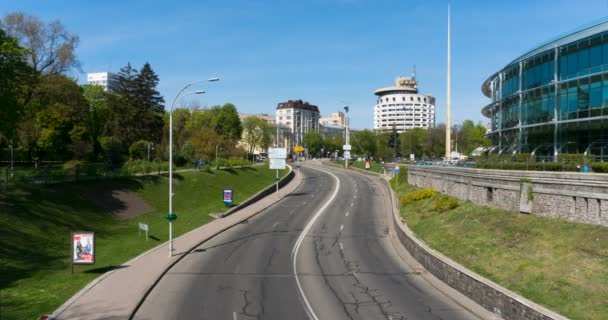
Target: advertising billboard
{"x": 83, "y": 247}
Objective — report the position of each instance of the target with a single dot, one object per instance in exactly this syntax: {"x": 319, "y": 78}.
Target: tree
{"x": 146, "y": 82}
{"x": 139, "y": 150}
{"x": 99, "y": 110}
{"x": 257, "y": 133}
{"x": 365, "y": 143}
{"x": 227, "y": 122}
{"x": 313, "y": 141}
{"x": 51, "y": 49}
{"x": 15, "y": 76}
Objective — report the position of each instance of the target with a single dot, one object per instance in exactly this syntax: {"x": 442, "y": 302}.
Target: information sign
{"x": 368, "y": 164}
{"x": 83, "y": 247}
{"x": 347, "y": 154}
{"x": 277, "y": 153}
{"x": 397, "y": 170}
{"x": 144, "y": 227}
{"x": 412, "y": 157}
{"x": 277, "y": 163}
{"x": 298, "y": 149}
{"x": 228, "y": 196}
{"x": 346, "y": 147}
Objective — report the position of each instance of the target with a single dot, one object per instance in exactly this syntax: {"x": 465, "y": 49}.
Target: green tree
{"x": 313, "y": 141}
{"x": 227, "y": 122}
{"x": 139, "y": 150}
{"x": 16, "y": 74}
{"x": 257, "y": 133}
{"x": 99, "y": 110}
{"x": 364, "y": 143}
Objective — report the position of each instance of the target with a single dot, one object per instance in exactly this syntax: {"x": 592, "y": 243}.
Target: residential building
{"x": 299, "y": 116}
{"x": 107, "y": 80}
{"x": 336, "y": 119}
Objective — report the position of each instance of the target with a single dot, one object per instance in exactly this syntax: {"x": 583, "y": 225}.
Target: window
{"x": 411, "y": 98}
{"x": 403, "y": 98}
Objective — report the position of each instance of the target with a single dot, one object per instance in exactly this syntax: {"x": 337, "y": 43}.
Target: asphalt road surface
{"x": 322, "y": 252}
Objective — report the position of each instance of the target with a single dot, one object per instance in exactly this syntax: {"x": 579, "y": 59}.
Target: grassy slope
{"x": 559, "y": 264}
{"x": 36, "y": 223}
{"x": 375, "y": 167}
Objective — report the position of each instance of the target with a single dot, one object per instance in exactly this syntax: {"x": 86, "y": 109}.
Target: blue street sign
{"x": 397, "y": 170}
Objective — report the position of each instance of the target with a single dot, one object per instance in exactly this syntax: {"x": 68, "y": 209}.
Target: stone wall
{"x": 505, "y": 304}
{"x": 580, "y": 197}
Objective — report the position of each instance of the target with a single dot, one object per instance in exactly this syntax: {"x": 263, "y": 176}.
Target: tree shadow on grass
{"x": 231, "y": 171}
{"x": 154, "y": 238}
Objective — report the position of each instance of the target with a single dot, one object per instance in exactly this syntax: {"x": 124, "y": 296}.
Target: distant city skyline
{"x": 338, "y": 55}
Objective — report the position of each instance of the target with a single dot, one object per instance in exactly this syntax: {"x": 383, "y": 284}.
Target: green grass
{"x": 36, "y": 222}
{"x": 559, "y": 264}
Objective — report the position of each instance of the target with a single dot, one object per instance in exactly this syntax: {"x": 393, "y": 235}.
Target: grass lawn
{"x": 36, "y": 222}
{"x": 559, "y": 264}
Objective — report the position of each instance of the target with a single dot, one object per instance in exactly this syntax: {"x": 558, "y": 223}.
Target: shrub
{"x": 417, "y": 195}
{"x": 600, "y": 167}
{"x": 139, "y": 150}
{"x": 445, "y": 203}
{"x": 72, "y": 165}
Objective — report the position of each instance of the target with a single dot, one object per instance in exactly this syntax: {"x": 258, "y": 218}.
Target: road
{"x": 333, "y": 232}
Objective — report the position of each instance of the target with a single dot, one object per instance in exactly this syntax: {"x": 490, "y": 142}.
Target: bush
{"x": 132, "y": 167}
{"x": 600, "y": 167}
{"x": 417, "y": 195}
{"x": 72, "y": 165}
{"x": 139, "y": 150}
{"x": 445, "y": 203}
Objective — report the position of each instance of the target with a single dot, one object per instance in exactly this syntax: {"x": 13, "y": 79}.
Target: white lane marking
{"x": 275, "y": 224}
{"x": 296, "y": 247}
{"x": 355, "y": 196}
{"x": 355, "y": 275}
{"x": 352, "y": 203}
{"x": 341, "y": 227}
{"x": 234, "y": 315}
{"x": 341, "y": 247}
{"x": 347, "y": 214}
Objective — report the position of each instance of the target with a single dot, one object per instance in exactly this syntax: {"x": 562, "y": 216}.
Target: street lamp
{"x": 149, "y": 145}
{"x": 171, "y": 216}
{"x": 216, "y": 163}
{"x": 347, "y": 139}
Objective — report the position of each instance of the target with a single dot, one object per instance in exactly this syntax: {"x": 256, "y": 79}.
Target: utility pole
{"x": 276, "y": 144}
{"x": 448, "y": 142}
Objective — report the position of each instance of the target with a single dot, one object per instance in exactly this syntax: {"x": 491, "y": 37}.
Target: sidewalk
{"x": 118, "y": 293}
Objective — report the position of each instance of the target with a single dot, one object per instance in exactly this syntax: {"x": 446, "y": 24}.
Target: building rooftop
{"x": 297, "y": 104}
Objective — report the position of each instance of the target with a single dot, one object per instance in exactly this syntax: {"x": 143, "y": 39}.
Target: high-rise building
{"x": 402, "y": 107}
{"x": 107, "y": 80}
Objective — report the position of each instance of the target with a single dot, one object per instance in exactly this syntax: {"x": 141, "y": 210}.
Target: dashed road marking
{"x": 341, "y": 227}
{"x": 347, "y": 214}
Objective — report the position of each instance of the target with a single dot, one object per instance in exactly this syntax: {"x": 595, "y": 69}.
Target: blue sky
{"x": 327, "y": 52}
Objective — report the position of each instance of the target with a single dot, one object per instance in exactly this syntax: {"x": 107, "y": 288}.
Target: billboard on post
{"x": 228, "y": 196}
{"x": 83, "y": 247}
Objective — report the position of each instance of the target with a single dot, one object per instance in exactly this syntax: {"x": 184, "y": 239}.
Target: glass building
{"x": 553, "y": 99}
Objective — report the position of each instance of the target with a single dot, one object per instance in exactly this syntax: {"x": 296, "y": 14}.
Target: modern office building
{"x": 403, "y": 107}
{"x": 554, "y": 98}
{"x": 107, "y": 80}
{"x": 299, "y": 116}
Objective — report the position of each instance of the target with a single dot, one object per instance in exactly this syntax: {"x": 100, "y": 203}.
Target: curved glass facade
{"x": 553, "y": 99}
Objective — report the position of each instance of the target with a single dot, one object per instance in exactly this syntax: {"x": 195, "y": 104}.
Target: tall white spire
{"x": 448, "y": 125}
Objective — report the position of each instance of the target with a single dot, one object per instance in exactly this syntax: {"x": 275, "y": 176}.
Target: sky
{"x": 330, "y": 53}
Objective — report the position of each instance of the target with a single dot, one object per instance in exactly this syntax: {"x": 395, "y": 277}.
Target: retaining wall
{"x": 580, "y": 197}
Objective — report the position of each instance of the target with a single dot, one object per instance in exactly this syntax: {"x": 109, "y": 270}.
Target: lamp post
{"x": 149, "y": 145}
{"x": 171, "y": 216}
{"x": 216, "y": 152}
{"x": 347, "y": 138}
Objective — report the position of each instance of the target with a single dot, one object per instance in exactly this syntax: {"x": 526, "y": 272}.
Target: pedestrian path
{"x": 118, "y": 293}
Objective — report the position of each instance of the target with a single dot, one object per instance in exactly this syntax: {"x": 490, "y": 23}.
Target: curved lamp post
{"x": 171, "y": 216}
